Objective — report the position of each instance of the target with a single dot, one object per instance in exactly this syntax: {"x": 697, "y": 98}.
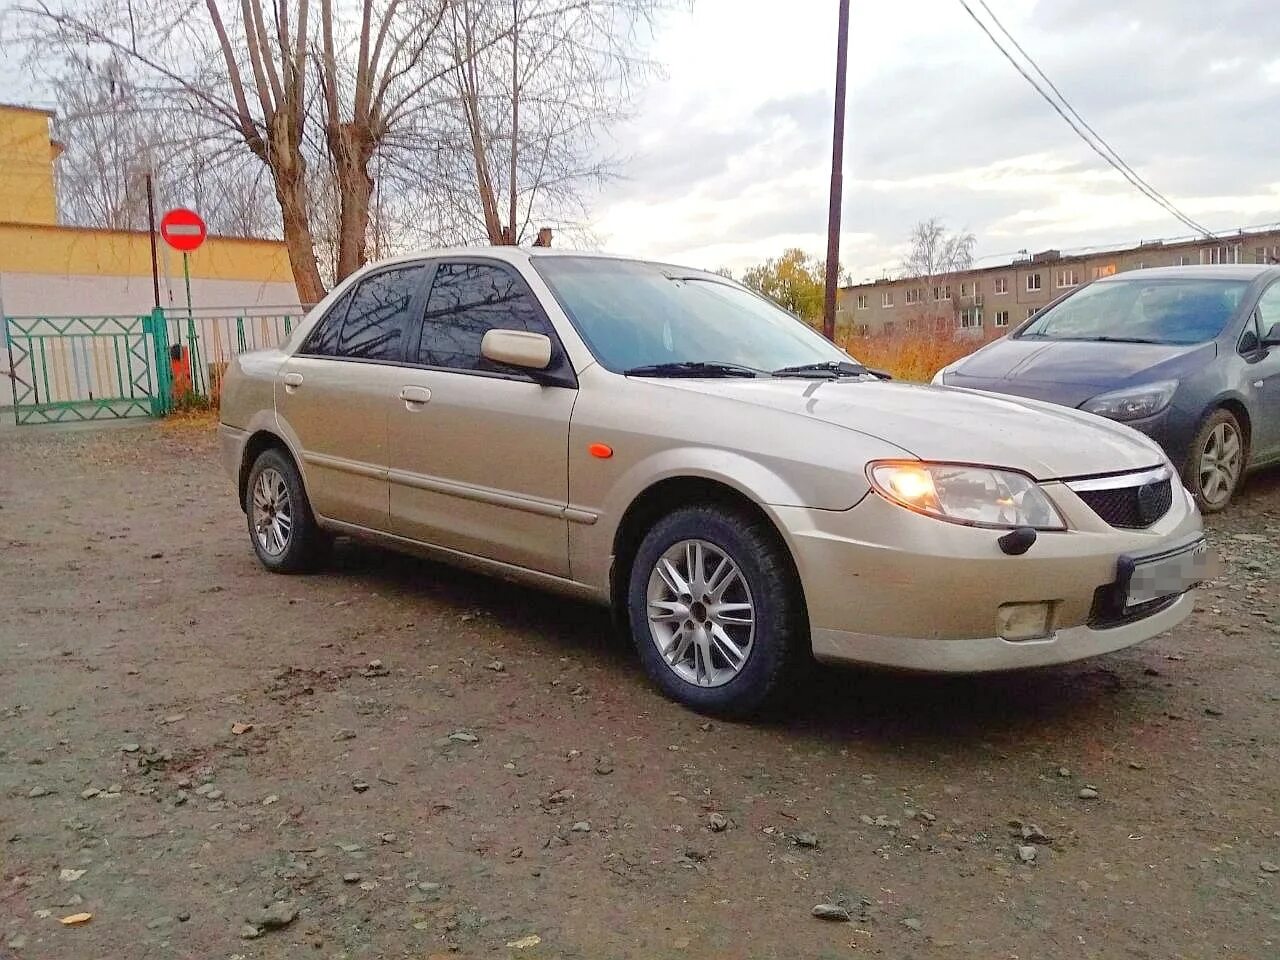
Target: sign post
{"x": 185, "y": 230}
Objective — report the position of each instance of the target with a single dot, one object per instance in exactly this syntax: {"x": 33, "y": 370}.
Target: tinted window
{"x": 323, "y": 339}
{"x": 379, "y": 310}
{"x": 1137, "y": 310}
{"x": 467, "y": 300}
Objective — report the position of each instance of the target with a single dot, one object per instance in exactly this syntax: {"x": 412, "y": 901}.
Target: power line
{"x": 1112, "y": 158}
{"x": 1150, "y": 190}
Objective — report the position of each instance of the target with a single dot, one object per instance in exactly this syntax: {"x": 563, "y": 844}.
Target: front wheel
{"x": 716, "y": 610}
{"x": 1216, "y": 462}
{"x": 282, "y": 527}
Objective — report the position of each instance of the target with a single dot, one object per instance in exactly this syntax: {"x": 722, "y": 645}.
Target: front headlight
{"x": 977, "y": 496}
{"x": 1133, "y": 403}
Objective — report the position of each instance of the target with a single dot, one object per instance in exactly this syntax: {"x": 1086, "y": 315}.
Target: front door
{"x": 479, "y": 452}
{"x": 336, "y": 393}
{"x": 1263, "y": 371}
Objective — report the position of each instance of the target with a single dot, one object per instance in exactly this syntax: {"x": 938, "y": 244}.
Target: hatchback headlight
{"x": 1133, "y": 403}
{"x": 977, "y": 496}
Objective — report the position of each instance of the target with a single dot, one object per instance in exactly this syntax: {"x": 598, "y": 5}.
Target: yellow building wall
{"x": 82, "y": 251}
{"x": 27, "y": 192}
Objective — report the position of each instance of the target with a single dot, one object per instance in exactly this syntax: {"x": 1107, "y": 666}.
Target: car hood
{"x": 1062, "y": 371}
{"x": 941, "y": 423}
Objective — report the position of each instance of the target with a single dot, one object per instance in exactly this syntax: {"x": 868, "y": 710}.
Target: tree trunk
{"x": 290, "y": 177}
{"x": 352, "y": 149}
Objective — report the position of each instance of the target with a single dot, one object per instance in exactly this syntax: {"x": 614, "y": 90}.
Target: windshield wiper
{"x": 1120, "y": 340}
{"x": 692, "y": 368}
{"x": 828, "y": 368}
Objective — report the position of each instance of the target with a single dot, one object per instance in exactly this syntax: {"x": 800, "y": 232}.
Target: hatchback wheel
{"x": 1217, "y": 461}
{"x": 716, "y": 611}
{"x": 282, "y": 527}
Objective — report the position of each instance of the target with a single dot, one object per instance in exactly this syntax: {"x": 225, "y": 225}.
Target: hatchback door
{"x": 336, "y": 393}
{"x": 479, "y": 451}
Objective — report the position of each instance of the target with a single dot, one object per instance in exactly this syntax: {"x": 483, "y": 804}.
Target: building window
{"x": 1032, "y": 311}
{"x": 863, "y": 329}
{"x": 1002, "y": 318}
{"x": 1002, "y": 285}
{"x": 1069, "y": 277}
{"x": 886, "y": 299}
{"x": 942, "y": 292}
{"x": 863, "y": 301}
{"x": 1225, "y": 254}
{"x": 888, "y": 328}
{"x": 1185, "y": 261}
{"x": 1033, "y": 282}
{"x": 971, "y": 317}
{"x": 1106, "y": 270}
{"x": 969, "y": 289}
{"x": 914, "y": 295}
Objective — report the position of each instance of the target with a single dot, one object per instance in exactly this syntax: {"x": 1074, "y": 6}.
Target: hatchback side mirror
{"x": 517, "y": 348}
{"x": 1272, "y": 337}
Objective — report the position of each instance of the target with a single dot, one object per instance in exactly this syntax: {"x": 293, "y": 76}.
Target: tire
{"x": 1216, "y": 461}
{"x": 282, "y": 528}
{"x": 761, "y": 588}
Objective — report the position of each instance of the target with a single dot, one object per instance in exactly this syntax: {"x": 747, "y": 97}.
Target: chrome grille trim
{"x": 1120, "y": 481}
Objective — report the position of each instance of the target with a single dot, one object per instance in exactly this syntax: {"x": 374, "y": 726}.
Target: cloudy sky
{"x": 729, "y": 155}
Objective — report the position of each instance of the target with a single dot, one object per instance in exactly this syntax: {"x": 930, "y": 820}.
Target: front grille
{"x": 1132, "y": 507}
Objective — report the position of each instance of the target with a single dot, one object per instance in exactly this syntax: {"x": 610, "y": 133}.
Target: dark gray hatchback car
{"x": 1188, "y": 355}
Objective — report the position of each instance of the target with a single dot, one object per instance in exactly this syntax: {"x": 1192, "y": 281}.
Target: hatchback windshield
{"x": 1142, "y": 311}
{"x": 634, "y": 314}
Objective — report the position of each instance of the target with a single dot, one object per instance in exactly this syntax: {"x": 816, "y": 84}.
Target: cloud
{"x": 729, "y": 157}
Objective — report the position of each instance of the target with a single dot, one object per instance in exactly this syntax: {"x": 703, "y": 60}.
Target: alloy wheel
{"x": 272, "y": 512}
{"x": 1220, "y": 463}
{"x": 700, "y": 612}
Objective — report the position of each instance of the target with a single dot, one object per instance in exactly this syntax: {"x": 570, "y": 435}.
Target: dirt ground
{"x": 440, "y": 764}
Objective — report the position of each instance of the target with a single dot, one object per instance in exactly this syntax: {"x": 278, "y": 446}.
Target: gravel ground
{"x": 394, "y": 759}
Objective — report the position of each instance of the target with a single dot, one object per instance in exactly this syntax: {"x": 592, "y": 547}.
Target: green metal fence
{"x": 103, "y": 367}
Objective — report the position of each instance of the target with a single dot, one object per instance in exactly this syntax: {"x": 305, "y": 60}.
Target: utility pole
{"x": 837, "y": 177}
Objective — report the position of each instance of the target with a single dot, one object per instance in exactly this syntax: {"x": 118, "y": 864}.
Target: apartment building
{"x": 985, "y": 302}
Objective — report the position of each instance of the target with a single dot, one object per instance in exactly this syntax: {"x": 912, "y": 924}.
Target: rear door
{"x": 337, "y": 392}
{"x": 479, "y": 452}
{"x": 1262, "y": 368}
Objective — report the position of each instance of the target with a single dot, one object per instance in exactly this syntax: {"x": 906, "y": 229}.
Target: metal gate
{"x": 103, "y": 367}
{"x": 87, "y": 368}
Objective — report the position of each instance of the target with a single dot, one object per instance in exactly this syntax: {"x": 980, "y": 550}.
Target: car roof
{"x": 1226, "y": 271}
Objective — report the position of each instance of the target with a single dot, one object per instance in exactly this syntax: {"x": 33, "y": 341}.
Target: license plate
{"x": 1169, "y": 574}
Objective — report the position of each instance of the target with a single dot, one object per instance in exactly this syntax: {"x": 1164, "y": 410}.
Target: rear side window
{"x": 322, "y": 341}
{"x": 467, "y": 300}
{"x": 368, "y": 323}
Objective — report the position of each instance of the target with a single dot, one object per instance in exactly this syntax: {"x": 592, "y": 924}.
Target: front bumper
{"x": 887, "y": 586}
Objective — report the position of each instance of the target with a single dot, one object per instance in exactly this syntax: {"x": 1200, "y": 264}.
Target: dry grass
{"x": 911, "y": 356}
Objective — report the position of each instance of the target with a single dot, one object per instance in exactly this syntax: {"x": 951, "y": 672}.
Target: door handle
{"x": 414, "y": 397}
{"x": 292, "y": 381}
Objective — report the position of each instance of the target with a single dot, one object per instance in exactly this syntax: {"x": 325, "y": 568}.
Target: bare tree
{"x": 530, "y": 110}
{"x": 295, "y": 93}
{"x": 935, "y": 251}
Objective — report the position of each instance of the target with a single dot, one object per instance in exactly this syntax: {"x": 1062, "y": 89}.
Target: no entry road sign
{"x": 183, "y": 229}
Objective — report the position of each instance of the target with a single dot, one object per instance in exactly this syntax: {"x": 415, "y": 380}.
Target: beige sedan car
{"x": 743, "y": 494}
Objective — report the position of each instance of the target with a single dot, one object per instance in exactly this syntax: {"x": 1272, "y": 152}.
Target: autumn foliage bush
{"x": 912, "y": 355}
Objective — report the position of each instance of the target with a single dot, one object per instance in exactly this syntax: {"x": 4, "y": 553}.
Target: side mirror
{"x": 517, "y": 348}
{"x": 1272, "y": 337}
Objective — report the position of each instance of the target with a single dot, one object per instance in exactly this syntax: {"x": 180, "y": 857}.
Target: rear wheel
{"x": 282, "y": 527}
{"x": 716, "y": 611}
{"x": 1216, "y": 463}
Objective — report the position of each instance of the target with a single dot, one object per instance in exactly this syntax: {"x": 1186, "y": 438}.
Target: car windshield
{"x": 1142, "y": 311}
{"x": 634, "y": 315}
